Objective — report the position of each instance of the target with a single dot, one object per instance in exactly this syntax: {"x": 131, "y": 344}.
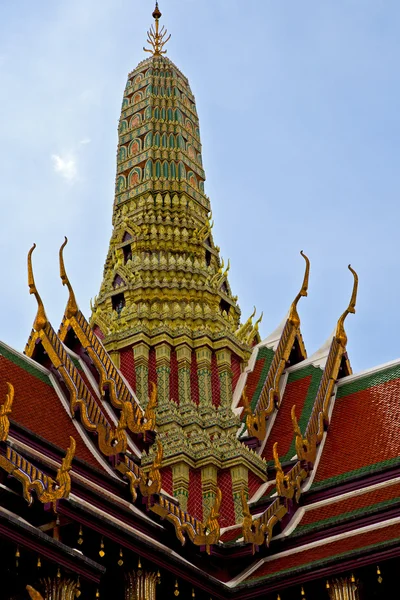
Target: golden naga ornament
{"x": 306, "y": 449}
{"x": 32, "y": 479}
{"x": 5, "y": 410}
{"x": 132, "y": 416}
{"x": 150, "y": 483}
{"x": 201, "y": 534}
{"x": 340, "y": 332}
{"x": 147, "y": 421}
{"x": 270, "y": 394}
{"x": 284, "y": 486}
{"x": 156, "y": 37}
{"x": 111, "y": 441}
{"x": 260, "y": 530}
{"x": 34, "y": 595}
{"x": 337, "y": 359}
{"x": 41, "y": 318}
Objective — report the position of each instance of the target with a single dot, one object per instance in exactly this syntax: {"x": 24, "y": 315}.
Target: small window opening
{"x": 118, "y": 281}
{"x": 224, "y": 306}
{"x": 224, "y": 288}
{"x": 208, "y": 258}
{"x": 127, "y": 250}
{"x": 127, "y": 236}
{"x": 118, "y": 302}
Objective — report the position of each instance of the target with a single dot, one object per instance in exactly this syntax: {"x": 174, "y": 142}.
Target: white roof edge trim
{"x": 329, "y": 540}
{"x": 26, "y": 358}
{"x": 370, "y": 371}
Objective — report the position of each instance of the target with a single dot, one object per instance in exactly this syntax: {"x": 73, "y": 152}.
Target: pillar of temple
{"x": 141, "y": 585}
{"x": 343, "y": 588}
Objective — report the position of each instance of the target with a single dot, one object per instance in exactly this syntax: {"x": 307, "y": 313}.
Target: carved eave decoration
{"x": 270, "y": 399}
{"x": 110, "y": 441}
{"x": 337, "y": 365}
{"x": 204, "y": 534}
{"x": 47, "y": 490}
{"x": 132, "y": 416}
{"x": 289, "y": 484}
{"x": 258, "y": 532}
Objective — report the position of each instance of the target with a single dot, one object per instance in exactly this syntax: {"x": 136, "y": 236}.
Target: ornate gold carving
{"x": 284, "y": 485}
{"x": 260, "y": 530}
{"x": 112, "y": 441}
{"x": 132, "y": 473}
{"x": 141, "y": 585}
{"x": 147, "y": 421}
{"x": 340, "y": 332}
{"x": 288, "y": 485}
{"x": 306, "y": 449}
{"x": 55, "y": 589}
{"x": 33, "y": 480}
{"x": 293, "y": 314}
{"x": 5, "y": 410}
{"x": 244, "y": 330}
{"x": 256, "y": 423}
{"x": 150, "y": 483}
{"x": 201, "y": 534}
{"x": 41, "y": 318}
{"x": 120, "y": 396}
{"x": 72, "y": 307}
{"x": 33, "y": 593}
{"x": 157, "y": 37}
{"x": 343, "y": 588}
{"x": 319, "y": 418}
{"x": 270, "y": 394}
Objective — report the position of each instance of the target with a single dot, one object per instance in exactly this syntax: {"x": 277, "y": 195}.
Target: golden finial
{"x": 293, "y": 315}
{"x": 340, "y": 332}
{"x": 41, "y": 318}
{"x": 72, "y": 307}
{"x": 156, "y": 36}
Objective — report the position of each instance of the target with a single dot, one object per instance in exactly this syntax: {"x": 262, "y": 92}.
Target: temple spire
{"x": 156, "y": 37}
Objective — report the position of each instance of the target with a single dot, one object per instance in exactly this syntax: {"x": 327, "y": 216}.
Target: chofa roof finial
{"x": 41, "y": 318}
{"x": 293, "y": 315}
{"x": 340, "y": 332}
{"x": 156, "y": 37}
{"x": 72, "y": 307}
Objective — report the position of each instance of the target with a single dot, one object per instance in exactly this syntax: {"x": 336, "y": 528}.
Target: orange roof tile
{"x": 36, "y": 405}
{"x": 364, "y": 433}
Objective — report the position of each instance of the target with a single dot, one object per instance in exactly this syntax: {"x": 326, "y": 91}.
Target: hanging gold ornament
{"x": 278, "y": 597}
{"x": 327, "y": 585}
{"x": 78, "y": 589}
{"x": 121, "y": 558}
{"x": 101, "y": 551}
{"x": 158, "y": 577}
{"x": 378, "y": 572}
{"x": 139, "y": 566}
{"x": 17, "y": 555}
{"x": 97, "y": 594}
{"x": 58, "y": 573}
{"x": 80, "y": 538}
{"x": 39, "y": 563}
{"x": 193, "y": 594}
{"x": 176, "y": 592}
{"x": 303, "y": 594}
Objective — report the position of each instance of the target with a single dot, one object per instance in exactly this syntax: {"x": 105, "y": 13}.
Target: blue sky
{"x": 299, "y": 114}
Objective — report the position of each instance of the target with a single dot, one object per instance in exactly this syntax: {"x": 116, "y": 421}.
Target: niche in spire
{"x": 118, "y": 282}
{"x": 127, "y": 250}
{"x": 118, "y": 302}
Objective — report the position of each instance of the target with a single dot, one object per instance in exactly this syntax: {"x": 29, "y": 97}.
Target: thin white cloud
{"x": 65, "y": 166}
{"x": 85, "y": 141}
